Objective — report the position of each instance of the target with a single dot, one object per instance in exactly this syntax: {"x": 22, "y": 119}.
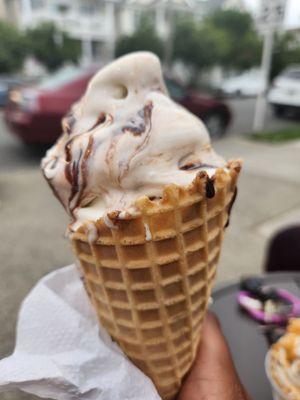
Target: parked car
{"x": 248, "y": 84}
{"x": 284, "y": 94}
{"x": 35, "y": 113}
{"x": 214, "y": 112}
{"x": 7, "y": 83}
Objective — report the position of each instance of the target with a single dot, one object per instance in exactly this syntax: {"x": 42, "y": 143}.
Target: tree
{"x": 144, "y": 38}
{"x": 244, "y": 46}
{"x": 52, "y": 47}
{"x": 286, "y": 52}
{"x": 198, "y": 45}
{"x": 236, "y": 23}
{"x": 12, "y": 48}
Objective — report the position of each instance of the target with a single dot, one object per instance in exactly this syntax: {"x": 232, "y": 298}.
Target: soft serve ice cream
{"x": 124, "y": 139}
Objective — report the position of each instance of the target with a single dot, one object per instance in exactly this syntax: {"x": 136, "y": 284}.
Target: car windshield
{"x": 292, "y": 73}
{"x": 61, "y": 77}
{"x": 176, "y": 91}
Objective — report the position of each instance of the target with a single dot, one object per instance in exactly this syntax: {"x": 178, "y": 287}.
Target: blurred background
{"x": 212, "y": 54}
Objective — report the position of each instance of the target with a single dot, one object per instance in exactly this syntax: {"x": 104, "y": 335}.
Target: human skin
{"x": 213, "y": 376}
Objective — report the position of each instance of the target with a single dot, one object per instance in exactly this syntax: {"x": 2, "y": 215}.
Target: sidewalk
{"x": 268, "y": 199}
{"x": 33, "y": 223}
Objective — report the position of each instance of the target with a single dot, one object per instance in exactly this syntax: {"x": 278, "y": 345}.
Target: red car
{"x": 35, "y": 113}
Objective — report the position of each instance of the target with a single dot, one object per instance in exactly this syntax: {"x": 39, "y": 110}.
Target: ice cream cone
{"x": 149, "y": 277}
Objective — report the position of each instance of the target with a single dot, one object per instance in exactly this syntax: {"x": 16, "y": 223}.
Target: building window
{"x": 37, "y": 4}
{"x": 87, "y": 9}
{"x": 62, "y": 8}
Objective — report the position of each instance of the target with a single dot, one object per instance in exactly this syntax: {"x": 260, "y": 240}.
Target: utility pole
{"x": 169, "y": 44}
{"x": 261, "y": 101}
{"x": 169, "y": 9}
{"x": 271, "y": 18}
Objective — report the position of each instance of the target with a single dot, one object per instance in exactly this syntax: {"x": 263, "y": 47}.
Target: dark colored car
{"x": 213, "y": 111}
{"x": 35, "y": 113}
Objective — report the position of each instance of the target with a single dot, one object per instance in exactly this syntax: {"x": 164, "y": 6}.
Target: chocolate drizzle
{"x": 84, "y": 170}
{"x": 192, "y": 166}
{"x": 138, "y": 124}
{"x": 74, "y": 169}
{"x": 110, "y": 155}
{"x": 74, "y": 179}
{"x": 68, "y": 159}
{"x": 209, "y": 188}
{"x": 146, "y": 114}
{"x": 230, "y": 206}
{"x": 100, "y": 120}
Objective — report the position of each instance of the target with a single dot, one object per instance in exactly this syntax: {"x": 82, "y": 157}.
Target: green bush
{"x": 243, "y": 45}
{"x": 198, "y": 45}
{"x": 144, "y": 38}
{"x": 12, "y": 48}
{"x": 281, "y": 135}
{"x": 286, "y": 52}
{"x": 226, "y": 37}
{"x": 52, "y": 47}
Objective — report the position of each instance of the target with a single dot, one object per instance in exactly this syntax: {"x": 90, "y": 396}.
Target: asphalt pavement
{"x": 14, "y": 154}
{"x": 33, "y": 223}
{"x": 243, "y": 115}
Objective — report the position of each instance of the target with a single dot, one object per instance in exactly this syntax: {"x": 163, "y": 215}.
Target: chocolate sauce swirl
{"x": 210, "y": 188}
{"x": 192, "y": 166}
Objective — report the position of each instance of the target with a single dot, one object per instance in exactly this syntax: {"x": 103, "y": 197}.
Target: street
{"x": 243, "y": 116}
{"x": 33, "y": 223}
{"x": 14, "y": 155}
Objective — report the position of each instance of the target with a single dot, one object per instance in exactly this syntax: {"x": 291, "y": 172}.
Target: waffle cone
{"x": 149, "y": 276}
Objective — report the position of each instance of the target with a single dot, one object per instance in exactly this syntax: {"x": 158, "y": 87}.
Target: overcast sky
{"x": 292, "y": 13}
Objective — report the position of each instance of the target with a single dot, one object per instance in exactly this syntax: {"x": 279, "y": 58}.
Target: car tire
{"x": 279, "y": 110}
{"x": 215, "y": 125}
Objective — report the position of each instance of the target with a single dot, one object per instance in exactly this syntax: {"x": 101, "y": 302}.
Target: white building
{"x": 9, "y": 10}
{"x": 98, "y": 23}
{"x": 237, "y": 4}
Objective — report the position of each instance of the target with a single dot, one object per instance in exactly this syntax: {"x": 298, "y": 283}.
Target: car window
{"x": 292, "y": 73}
{"x": 61, "y": 77}
{"x": 176, "y": 91}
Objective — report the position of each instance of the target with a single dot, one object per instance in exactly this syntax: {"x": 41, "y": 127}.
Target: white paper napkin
{"x": 62, "y": 353}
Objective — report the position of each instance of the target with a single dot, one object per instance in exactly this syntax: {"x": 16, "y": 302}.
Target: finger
{"x": 213, "y": 375}
{"x": 213, "y": 348}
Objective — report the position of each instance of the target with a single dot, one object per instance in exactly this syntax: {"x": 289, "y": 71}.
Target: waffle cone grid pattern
{"x": 150, "y": 279}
